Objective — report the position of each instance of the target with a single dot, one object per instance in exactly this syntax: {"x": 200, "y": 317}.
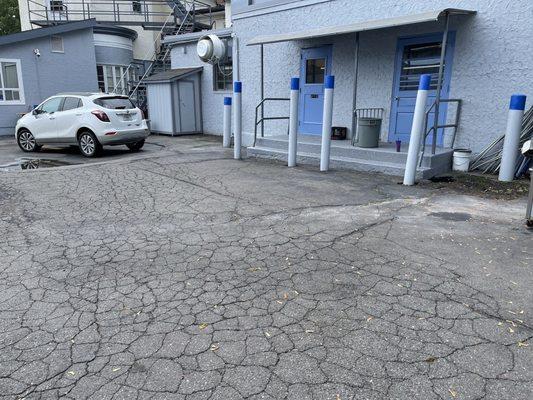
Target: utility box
{"x": 174, "y": 101}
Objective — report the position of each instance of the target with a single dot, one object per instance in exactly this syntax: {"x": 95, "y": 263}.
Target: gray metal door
{"x": 187, "y": 110}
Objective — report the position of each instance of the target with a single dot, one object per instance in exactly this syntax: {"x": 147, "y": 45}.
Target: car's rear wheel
{"x": 27, "y": 142}
{"x": 88, "y": 144}
{"x": 136, "y": 146}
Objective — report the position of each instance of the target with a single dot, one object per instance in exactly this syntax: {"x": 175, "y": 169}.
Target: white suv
{"x": 89, "y": 120}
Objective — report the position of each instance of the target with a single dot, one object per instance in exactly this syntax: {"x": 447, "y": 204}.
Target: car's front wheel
{"x": 88, "y": 144}
{"x": 27, "y": 142}
{"x": 136, "y": 146}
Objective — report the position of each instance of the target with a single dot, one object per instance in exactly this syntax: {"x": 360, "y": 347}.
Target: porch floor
{"x": 382, "y": 159}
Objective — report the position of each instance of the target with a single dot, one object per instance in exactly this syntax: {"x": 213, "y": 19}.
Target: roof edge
{"x": 360, "y": 26}
{"x": 115, "y": 30}
{"x": 194, "y": 36}
{"x": 47, "y": 31}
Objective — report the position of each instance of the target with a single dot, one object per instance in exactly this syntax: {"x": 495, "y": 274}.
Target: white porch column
{"x": 327, "y": 122}
{"x": 226, "y": 140}
{"x": 512, "y": 137}
{"x": 417, "y": 130}
{"x": 293, "y": 122}
{"x": 237, "y": 113}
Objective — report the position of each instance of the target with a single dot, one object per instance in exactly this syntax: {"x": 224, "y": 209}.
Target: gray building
{"x": 71, "y": 57}
{"x": 377, "y": 52}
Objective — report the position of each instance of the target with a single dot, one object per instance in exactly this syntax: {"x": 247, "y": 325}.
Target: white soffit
{"x": 403, "y": 20}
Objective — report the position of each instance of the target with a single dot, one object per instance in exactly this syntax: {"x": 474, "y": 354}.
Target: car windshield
{"x": 115, "y": 103}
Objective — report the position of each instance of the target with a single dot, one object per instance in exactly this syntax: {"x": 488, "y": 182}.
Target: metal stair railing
{"x": 120, "y": 12}
{"x": 261, "y": 121}
{"x": 431, "y": 130}
{"x": 154, "y": 57}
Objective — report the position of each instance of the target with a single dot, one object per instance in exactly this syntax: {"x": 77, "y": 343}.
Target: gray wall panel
{"x": 51, "y": 73}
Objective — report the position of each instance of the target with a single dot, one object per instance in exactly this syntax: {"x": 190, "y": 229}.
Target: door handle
{"x": 79, "y": 115}
{"x": 52, "y": 118}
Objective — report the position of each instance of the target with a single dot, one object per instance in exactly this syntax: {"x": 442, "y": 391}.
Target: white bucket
{"x": 461, "y": 160}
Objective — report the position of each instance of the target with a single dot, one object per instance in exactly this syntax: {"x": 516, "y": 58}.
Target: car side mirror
{"x": 37, "y": 111}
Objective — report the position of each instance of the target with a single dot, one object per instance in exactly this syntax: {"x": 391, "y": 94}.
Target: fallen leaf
{"x": 214, "y": 347}
{"x": 511, "y": 330}
{"x": 514, "y": 283}
{"x": 71, "y": 373}
{"x": 116, "y": 369}
{"x": 285, "y": 296}
{"x": 369, "y": 319}
{"x": 202, "y": 326}
{"x": 309, "y": 331}
{"x": 453, "y": 392}
{"x": 523, "y": 344}
{"x": 267, "y": 334}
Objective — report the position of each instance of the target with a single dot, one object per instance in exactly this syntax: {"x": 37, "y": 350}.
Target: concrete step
{"x": 356, "y": 164}
{"x": 344, "y": 149}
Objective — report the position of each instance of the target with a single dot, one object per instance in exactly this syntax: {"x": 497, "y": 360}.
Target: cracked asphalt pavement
{"x": 183, "y": 274}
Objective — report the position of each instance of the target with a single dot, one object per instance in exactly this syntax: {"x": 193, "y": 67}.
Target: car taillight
{"x": 102, "y": 116}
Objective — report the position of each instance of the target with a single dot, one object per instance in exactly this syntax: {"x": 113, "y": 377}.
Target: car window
{"x": 71, "y": 103}
{"x": 51, "y": 105}
{"x": 115, "y": 103}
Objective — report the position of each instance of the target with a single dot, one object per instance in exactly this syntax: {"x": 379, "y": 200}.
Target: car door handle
{"x": 52, "y": 117}
{"x": 79, "y": 114}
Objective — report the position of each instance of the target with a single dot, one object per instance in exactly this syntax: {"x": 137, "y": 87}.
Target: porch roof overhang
{"x": 411, "y": 19}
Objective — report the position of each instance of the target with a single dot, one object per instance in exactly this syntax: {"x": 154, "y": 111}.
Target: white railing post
{"x": 226, "y": 140}
{"x": 417, "y": 130}
{"x": 237, "y": 123}
{"x": 327, "y": 120}
{"x": 293, "y": 122}
{"x": 511, "y": 141}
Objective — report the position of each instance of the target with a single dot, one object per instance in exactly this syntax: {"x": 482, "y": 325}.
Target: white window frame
{"x": 20, "y": 89}
{"x": 52, "y": 44}
{"x": 109, "y": 71}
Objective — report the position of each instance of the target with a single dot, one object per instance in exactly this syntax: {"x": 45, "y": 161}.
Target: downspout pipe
{"x": 439, "y": 84}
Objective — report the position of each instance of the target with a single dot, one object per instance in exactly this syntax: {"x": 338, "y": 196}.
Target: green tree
{"x": 9, "y": 17}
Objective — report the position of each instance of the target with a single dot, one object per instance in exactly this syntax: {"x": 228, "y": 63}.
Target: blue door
{"x": 315, "y": 65}
{"x": 416, "y": 56}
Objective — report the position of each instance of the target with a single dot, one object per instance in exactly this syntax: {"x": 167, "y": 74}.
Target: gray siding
{"x": 184, "y": 56}
{"x": 113, "y": 55}
{"x": 73, "y": 70}
{"x": 492, "y": 60}
{"x": 160, "y": 108}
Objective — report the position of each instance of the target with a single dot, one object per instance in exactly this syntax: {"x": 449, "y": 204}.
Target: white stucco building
{"x": 377, "y": 52}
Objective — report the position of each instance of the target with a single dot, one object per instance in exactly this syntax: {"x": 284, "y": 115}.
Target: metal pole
{"x": 511, "y": 141}
{"x": 529, "y": 217}
{"x": 417, "y": 134}
{"x": 293, "y": 122}
{"x": 226, "y": 141}
{"x": 439, "y": 83}
{"x": 355, "y": 74}
{"x": 327, "y": 122}
{"x": 235, "y": 57}
{"x": 237, "y": 113}
{"x": 262, "y": 91}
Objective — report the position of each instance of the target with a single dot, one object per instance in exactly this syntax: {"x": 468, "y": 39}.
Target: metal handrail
{"x": 427, "y": 131}
{"x": 154, "y": 58}
{"x": 116, "y": 11}
{"x": 262, "y": 119}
